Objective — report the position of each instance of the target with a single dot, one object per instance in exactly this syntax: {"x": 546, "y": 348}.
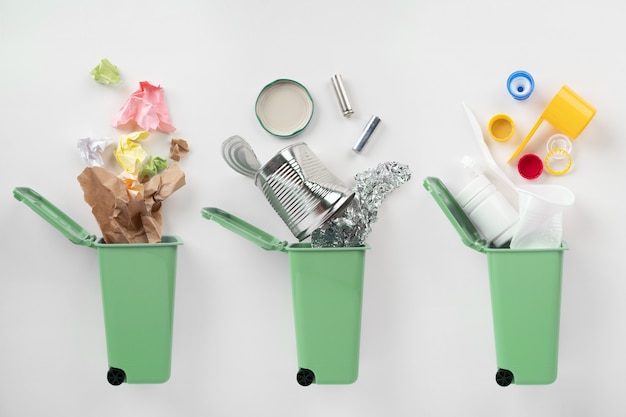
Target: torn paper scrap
{"x": 146, "y": 109}
{"x": 91, "y": 150}
{"x": 106, "y": 73}
{"x": 129, "y": 152}
{"x": 178, "y": 149}
{"x": 124, "y": 216}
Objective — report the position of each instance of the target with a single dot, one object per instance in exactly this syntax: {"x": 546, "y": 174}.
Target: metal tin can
{"x": 301, "y": 189}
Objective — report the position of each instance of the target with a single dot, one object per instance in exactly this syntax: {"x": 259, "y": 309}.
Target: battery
{"x": 366, "y": 134}
{"x": 340, "y": 92}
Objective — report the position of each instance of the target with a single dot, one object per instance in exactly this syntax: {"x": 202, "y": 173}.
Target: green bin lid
{"x": 244, "y": 229}
{"x": 70, "y": 229}
{"x": 453, "y": 211}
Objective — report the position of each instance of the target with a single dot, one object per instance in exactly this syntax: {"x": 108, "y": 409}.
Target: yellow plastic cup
{"x": 567, "y": 112}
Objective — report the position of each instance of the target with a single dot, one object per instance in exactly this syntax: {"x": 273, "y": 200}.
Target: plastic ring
{"x": 563, "y": 154}
{"x": 520, "y": 85}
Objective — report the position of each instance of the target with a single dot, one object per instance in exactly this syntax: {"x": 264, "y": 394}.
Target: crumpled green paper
{"x": 106, "y": 73}
{"x": 153, "y": 166}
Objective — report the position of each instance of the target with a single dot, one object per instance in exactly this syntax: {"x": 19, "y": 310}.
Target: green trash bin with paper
{"x": 138, "y": 285}
{"x": 525, "y": 298}
{"x": 327, "y": 288}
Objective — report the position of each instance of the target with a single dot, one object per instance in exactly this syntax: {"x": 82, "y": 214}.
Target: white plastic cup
{"x": 541, "y": 217}
{"x": 489, "y": 211}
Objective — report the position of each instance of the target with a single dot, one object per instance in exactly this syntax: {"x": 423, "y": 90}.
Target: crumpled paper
{"x": 129, "y": 152}
{"x": 153, "y": 166}
{"x": 178, "y": 149}
{"x": 106, "y": 73}
{"x": 91, "y": 150}
{"x": 146, "y": 109}
{"x": 129, "y": 215}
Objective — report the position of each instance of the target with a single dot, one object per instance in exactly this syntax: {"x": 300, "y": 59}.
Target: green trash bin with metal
{"x": 525, "y": 299}
{"x": 327, "y": 289}
{"x": 138, "y": 285}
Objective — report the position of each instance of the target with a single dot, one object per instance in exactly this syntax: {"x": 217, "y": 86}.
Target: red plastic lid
{"x": 530, "y": 166}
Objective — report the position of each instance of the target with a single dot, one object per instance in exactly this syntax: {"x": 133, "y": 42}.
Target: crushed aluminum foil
{"x": 372, "y": 186}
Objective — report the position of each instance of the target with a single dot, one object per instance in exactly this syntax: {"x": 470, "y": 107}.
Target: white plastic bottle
{"x": 487, "y": 208}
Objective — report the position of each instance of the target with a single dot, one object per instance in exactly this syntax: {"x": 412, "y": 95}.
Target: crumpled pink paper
{"x": 146, "y": 109}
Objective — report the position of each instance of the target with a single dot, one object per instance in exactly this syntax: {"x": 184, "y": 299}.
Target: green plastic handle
{"x": 68, "y": 227}
{"x": 244, "y": 229}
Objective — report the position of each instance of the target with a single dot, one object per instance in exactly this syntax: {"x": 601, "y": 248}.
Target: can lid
{"x": 453, "y": 211}
{"x": 243, "y": 228}
{"x": 284, "y": 108}
{"x": 68, "y": 227}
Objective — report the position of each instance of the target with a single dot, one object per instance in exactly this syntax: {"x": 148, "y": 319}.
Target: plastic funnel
{"x": 541, "y": 216}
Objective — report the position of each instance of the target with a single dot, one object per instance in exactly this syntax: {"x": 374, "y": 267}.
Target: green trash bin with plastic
{"x": 525, "y": 289}
{"x": 138, "y": 285}
{"x": 327, "y": 289}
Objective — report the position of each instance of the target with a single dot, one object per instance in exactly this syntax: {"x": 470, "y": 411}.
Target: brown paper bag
{"x": 129, "y": 216}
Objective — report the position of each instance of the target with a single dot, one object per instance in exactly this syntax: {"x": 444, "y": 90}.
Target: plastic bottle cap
{"x": 559, "y": 141}
{"x": 520, "y": 85}
{"x": 501, "y": 127}
{"x": 530, "y": 166}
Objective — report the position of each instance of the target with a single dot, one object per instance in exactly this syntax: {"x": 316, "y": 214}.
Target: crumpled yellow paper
{"x": 145, "y": 108}
{"x": 127, "y": 211}
{"x": 129, "y": 152}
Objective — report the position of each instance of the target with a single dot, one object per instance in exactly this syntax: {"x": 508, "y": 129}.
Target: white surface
{"x": 427, "y": 344}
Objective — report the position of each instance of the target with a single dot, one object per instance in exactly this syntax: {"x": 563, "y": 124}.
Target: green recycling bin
{"x": 525, "y": 299}
{"x": 138, "y": 285}
{"x": 327, "y": 288}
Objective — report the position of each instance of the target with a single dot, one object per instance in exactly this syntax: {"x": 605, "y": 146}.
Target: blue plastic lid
{"x": 520, "y": 85}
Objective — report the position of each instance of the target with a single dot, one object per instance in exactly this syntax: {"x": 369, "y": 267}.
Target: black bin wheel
{"x": 504, "y": 377}
{"x": 116, "y": 376}
{"x": 305, "y": 377}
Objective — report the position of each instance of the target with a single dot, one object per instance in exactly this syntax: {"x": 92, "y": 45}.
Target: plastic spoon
{"x": 480, "y": 139}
